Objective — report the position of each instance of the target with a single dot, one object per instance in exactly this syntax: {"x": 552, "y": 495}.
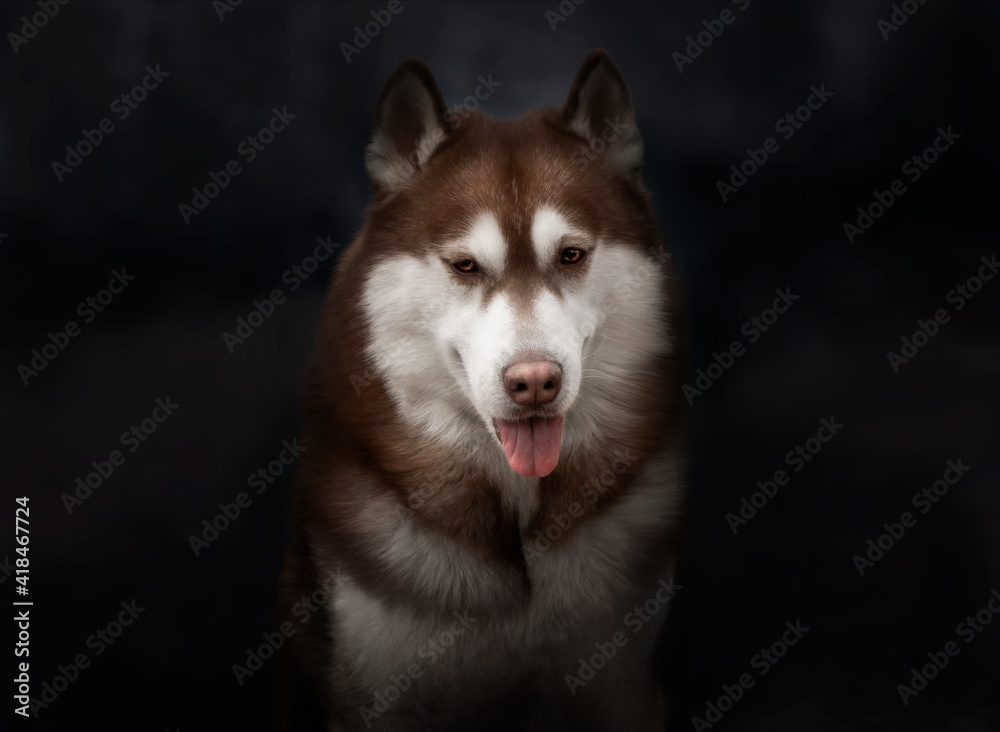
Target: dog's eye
{"x": 572, "y": 256}
{"x": 465, "y": 266}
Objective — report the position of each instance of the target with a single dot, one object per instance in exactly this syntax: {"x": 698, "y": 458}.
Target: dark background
{"x": 826, "y": 357}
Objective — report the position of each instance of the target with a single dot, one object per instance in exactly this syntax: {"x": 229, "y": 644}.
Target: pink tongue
{"x": 531, "y": 446}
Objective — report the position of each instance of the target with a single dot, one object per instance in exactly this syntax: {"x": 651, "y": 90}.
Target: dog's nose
{"x": 533, "y": 383}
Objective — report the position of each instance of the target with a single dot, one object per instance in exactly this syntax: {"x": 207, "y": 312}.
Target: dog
{"x": 487, "y": 512}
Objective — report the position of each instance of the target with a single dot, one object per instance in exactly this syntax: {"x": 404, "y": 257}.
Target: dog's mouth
{"x": 531, "y": 445}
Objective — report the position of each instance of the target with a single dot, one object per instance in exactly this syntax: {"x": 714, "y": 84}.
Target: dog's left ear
{"x": 409, "y": 125}
{"x": 599, "y": 110}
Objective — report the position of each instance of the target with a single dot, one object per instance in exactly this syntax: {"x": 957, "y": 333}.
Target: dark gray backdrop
{"x": 892, "y": 88}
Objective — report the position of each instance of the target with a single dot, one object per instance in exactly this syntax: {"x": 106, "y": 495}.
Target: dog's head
{"x": 514, "y": 282}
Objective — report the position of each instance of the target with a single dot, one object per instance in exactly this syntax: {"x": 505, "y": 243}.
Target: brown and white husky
{"x": 487, "y": 511}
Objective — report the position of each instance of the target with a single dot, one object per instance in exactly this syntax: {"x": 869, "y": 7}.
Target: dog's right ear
{"x": 409, "y": 125}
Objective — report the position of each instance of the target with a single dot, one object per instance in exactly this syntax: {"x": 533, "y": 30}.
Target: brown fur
{"x": 356, "y": 445}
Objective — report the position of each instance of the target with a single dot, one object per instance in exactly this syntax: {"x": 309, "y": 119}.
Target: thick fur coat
{"x": 492, "y": 479}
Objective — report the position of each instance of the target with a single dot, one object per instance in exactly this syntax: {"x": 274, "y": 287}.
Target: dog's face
{"x": 513, "y": 284}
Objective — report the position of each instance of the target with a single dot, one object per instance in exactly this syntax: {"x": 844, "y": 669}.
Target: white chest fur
{"x": 580, "y": 596}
